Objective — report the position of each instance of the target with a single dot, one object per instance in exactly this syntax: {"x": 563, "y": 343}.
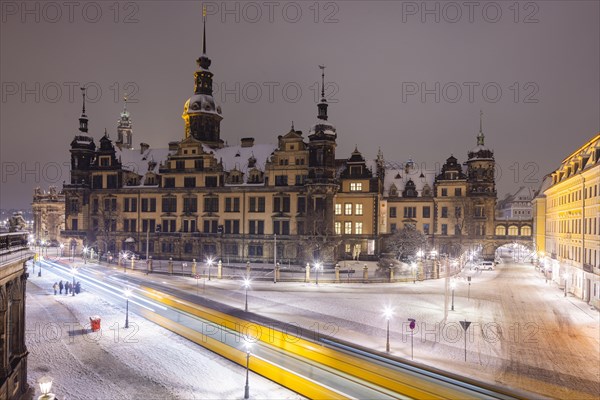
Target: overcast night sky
{"x": 543, "y": 56}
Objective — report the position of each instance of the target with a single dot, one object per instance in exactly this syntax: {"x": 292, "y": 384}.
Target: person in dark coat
{"x": 60, "y": 287}
{"x": 67, "y": 285}
{"x": 77, "y": 287}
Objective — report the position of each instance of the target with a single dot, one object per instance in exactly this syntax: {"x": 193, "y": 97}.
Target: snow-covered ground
{"x": 142, "y": 362}
{"x": 524, "y": 333}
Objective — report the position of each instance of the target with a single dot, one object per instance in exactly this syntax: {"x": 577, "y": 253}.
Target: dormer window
{"x": 355, "y": 186}
{"x": 105, "y": 161}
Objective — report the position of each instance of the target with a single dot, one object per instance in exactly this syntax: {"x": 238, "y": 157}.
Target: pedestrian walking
{"x": 55, "y": 287}
{"x": 60, "y": 287}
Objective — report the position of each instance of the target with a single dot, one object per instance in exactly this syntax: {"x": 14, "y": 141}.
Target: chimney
{"x": 144, "y": 147}
{"x": 247, "y": 142}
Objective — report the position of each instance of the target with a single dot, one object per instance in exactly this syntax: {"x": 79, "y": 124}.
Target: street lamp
{"x": 45, "y": 387}
{"x": 247, "y": 387}
{"x": 388, "y": 312}
{"x": 209, "y": 261}
{"x": 453, "y": 286}
{"x": 73, "y": 272}
{"x": 246, "y": 286}
{"x": 565, "y": 277}
{"x": 317, "y": 268}
{"x": 127, "y": 293}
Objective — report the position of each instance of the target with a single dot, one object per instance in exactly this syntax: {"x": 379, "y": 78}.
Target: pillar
{"x": 277, "y": 273}
{"x": 366, "y": 273}
{"x": 248, "y": 269}
{"x": 391, "y": 274}
{"x": 307, "y": 276}
{"x": 150, "y": 264}
{"x": 337, "y": 273}
{"x": 193, "y": 267}
{"x": 170, "y": 265}
{"x": 219, "y": 269}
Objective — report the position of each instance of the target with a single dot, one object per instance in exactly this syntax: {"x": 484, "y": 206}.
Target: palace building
{"x": 293, "y": 200}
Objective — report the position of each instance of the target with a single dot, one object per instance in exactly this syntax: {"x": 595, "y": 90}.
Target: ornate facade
{"x": 13, "y": 352}
{"x": 48, "y": 214}
{"x": 292, "y": 200}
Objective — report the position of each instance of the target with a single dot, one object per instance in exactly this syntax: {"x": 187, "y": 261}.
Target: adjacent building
{"x": 567, "y": 222}
{"x": 48, "y": 215}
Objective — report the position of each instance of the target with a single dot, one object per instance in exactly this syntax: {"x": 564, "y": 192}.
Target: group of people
{"x": 68, "y": 287}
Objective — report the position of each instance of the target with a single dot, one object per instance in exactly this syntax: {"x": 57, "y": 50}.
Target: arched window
{"x": 526, "y": 230}
{"x": 500, "y": 230}
{"x": 513, "y": 230}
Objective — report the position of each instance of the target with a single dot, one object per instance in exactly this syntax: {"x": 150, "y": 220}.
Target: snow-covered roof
{"x": 202, "y": 103}
{"x": 135, "y": 160}
{"x": 398, "y": 177}
{"x": 236, "y": 157}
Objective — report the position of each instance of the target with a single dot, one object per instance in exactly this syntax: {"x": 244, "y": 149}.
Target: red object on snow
{"x": 95, "y": 322}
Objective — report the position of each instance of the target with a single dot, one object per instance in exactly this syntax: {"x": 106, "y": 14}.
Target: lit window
{"x": 355, "y": 186}
{"x": 358, "y": 228}
{"x": 338, "y": 209}
{"x": 338, "y": 228}
{"x": 348, "y": 228}
{"x": 348, "y": 209}
{"x": 358, "y": 209}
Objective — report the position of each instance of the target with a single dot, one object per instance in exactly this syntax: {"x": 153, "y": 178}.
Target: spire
{"x": 203, "y": 29}
{"x": 203, "y": 62}
{"x": 83, "y": 120}
{"x": 125, "y": 104}
{"x": 480, "y": 137}
{"x": 322, "y": 106}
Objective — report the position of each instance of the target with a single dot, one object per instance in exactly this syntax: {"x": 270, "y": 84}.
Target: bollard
{"x": 193, "y": 267}
{"x": 150, "y": 264}
{"x": 391, "y": 274}
{"x": 366, "y": 273}
{"x": 337, "y": 273}
{"x": 219, "y": 270}
{"x": 277, "y": 273}
{"x": 170, "y": 265}
{"x": 307, "y": 276}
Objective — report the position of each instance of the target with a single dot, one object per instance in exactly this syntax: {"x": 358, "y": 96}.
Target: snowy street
{"x": 524, "y": 333}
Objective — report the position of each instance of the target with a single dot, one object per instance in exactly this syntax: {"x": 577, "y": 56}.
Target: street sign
{"x": 465, "y": 325}
{"x": 197, "y": 276}
{"x": 412, "y": 323}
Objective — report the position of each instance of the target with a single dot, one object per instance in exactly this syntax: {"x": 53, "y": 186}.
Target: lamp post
{"x": 45, "y": 387}
{"x": 317, "y": 268}
{"x": 247, "y": 387}
{"x": 73, "y": 272}
{"x": 127, "y": 293}
{"x": 246, "y": 286}
{"x": 453, "y": 286}
{"x": 209, "y": 261}
{"x": 388, "y": 312}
